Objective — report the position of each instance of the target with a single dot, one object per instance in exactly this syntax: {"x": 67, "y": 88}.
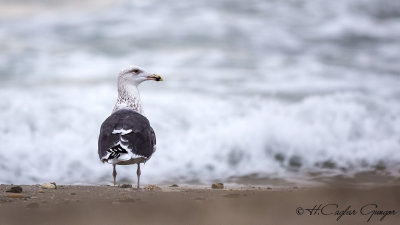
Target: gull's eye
{"x": 136, "y": 71}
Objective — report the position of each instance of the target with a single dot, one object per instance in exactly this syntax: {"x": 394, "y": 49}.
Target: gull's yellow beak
{"x": 155, "y": 77}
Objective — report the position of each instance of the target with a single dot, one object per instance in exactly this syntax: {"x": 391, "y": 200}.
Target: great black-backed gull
{"x": 126, "y": 136}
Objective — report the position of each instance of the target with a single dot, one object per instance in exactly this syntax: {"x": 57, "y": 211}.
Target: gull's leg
{"x": 114, "y": 174}
{"x": 138, "y": 175}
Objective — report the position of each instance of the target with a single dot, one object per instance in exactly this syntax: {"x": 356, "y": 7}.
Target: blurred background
{"x": 255, "y": 92}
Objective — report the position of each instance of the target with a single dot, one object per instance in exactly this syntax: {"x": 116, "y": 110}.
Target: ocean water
{"x": 266, "y": 89}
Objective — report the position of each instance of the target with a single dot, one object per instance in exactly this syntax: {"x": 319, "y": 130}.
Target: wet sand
{"x": 200, "y": 205}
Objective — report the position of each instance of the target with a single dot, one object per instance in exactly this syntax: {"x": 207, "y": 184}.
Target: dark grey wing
{"x": 126, "y": 130}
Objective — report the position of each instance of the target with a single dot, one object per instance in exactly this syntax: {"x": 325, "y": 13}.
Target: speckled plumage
{"x": 128, "y": 95}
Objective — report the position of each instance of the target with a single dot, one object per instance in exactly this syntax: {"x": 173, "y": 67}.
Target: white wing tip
{"x": 122, "y": 131}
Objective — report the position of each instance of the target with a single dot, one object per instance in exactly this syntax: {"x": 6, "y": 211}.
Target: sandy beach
{"x": 200, "y": 205}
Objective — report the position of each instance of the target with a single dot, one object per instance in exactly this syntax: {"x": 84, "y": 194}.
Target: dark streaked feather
{"x": 115, "y": 151}
{"x": 141, "y": 140}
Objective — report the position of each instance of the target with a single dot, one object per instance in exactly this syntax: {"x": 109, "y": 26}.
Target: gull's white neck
{"x": 128, "y": 98}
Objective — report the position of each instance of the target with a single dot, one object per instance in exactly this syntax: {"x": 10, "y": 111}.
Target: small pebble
{"x": 49, "y": 185}
{"x": 217, "y": 186}
{"x": 126, "y": 186}
{"x": 41, "y": 191}
{"x": 15, "y": 189}
{"x": 151, "y": 187}
{"x": 14, "y": 195}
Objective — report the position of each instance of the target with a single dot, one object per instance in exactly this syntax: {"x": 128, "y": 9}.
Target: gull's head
{"x": 135, "y": 75}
